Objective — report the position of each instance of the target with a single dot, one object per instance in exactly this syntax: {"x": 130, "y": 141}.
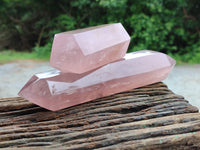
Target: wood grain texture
{"x": 150, "y": 117}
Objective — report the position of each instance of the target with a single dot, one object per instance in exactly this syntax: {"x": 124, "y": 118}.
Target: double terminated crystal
{"x": 55, "y": 90}
{"x": 83, "y": 50}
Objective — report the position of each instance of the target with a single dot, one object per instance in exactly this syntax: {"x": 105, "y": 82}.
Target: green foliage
{"x": 160, "y": 27}
{"x": 170, "y": 26}
{"x": 11, "y": 55}
{"x": 43, "y": 51}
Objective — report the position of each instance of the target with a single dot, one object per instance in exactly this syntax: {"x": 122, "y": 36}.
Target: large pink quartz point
{"x": 55, "y": 90}
{"x": 86, "y": 49}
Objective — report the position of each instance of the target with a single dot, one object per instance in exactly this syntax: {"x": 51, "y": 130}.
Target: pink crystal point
{"x": 55, "y": 90}
{"x": 86, "y": 49}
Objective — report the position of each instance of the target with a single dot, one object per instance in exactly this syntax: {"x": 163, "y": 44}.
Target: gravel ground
{"x": 13, "y": 76}
{"x": 183, "y": 80}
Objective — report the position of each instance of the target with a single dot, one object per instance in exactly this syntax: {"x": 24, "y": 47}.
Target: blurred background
{"x": 27, "y": 28}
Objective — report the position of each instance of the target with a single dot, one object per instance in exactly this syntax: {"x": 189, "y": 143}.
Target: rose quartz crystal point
{"x": 55, "y": 90}
{"x": 86, "y": 49}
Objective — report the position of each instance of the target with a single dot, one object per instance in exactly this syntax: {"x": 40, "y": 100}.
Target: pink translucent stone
{"x": 55, "y": 90}
{"x": 86, "y": 49}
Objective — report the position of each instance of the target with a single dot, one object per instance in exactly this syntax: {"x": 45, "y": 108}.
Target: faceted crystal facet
{"x": 55, "y": 90}
{"x": 83, "y": 50}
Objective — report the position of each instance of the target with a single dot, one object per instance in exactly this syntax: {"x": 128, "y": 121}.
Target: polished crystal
{"x": 55, "y": 90}
{"x": 86, "y": 49}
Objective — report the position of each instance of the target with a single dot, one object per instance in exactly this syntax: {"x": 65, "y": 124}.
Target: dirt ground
{"x": 183, "y": 80}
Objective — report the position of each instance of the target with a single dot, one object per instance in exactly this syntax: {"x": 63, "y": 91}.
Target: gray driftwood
{"x": 150, "y": 117}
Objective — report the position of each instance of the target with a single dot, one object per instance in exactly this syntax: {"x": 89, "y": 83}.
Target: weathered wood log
{"x": 150, "y": 117}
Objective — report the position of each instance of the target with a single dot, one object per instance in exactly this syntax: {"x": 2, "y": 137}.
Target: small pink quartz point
{"x": 82, "y": 50}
